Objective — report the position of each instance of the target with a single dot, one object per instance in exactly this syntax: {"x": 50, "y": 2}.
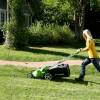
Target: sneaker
{"x": 79, "y": 79}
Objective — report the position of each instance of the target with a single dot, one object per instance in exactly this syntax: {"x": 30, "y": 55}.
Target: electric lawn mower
{"x": 49, "y": 72}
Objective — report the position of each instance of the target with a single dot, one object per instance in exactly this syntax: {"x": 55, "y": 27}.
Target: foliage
{"x": 95, "y": 4}
{"x": 49, "y": 34}
{"x": 36, "y": 6}
{"x": 50, "y": 13}
{"x": 9, "y": 29}
{"x": 55, "y": 11}
{"x": 16, "y": 34}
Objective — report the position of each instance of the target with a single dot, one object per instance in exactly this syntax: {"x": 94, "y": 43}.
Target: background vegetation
{"x": 50, "y": 34}
{"x": 16, "y": 35}
{"x": 54, "y": 21}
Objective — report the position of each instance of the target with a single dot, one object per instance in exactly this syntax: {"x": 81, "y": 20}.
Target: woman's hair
{"x": 87, "y": 33}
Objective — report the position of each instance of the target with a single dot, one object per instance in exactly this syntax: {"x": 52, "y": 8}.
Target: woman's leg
{"x": 83, "y": 66}
{"x": 96, "y": 64}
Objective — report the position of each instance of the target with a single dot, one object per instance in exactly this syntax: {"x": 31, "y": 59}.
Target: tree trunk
{"x": 7, "y": 40}
{"x": 8, "y": 11}
{"x": 79, "y": 18}
{"x": 77, "y": 27}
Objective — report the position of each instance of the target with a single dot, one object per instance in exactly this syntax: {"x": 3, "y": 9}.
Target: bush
{"x": 21, "y": 38}
{"x": 49, "y": 34}
{"x": 15, "y": 37}
{"x": 9, "y": 29}
{"x": 16, "y": 33}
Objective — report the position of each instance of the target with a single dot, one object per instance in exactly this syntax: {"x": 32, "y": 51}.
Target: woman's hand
{"x": 79, "y": 50}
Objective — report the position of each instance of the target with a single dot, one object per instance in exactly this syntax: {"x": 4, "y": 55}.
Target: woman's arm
{"x": 86, "y": 48}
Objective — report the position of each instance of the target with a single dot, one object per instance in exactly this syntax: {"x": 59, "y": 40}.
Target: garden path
{"x": 38, "y": 64}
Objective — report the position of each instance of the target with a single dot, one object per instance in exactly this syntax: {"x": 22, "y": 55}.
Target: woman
{"x": 92, "y": 54}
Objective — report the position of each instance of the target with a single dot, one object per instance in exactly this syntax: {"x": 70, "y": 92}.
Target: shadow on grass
{"x": 57, "y": 53}
{"x": 98, "y": 50}
{"x": 98, "y": 43}
{"x": 75, "y": 82}
{"x": 41, "y": 51}
{"x": 93, "y": 82}
{"x": 70, "y": 81}
{"x": 79, "y": 57}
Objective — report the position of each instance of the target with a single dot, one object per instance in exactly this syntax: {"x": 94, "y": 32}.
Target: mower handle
{"x": 77, "y": 52}
{"x": 68, "y": 57}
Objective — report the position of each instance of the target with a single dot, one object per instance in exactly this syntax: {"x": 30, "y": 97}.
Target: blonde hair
{"x": 87, "y": 33}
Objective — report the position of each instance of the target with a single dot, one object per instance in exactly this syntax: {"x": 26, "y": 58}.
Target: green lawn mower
{"x": 50, "y": 72}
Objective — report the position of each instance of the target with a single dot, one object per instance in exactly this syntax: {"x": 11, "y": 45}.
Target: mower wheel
{"x": 48, "y": 76}
{"x": 29, "y": 75}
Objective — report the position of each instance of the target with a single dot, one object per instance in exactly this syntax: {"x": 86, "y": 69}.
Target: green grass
{"x": 14, "y": 85}
{"x": 47, "y": 53}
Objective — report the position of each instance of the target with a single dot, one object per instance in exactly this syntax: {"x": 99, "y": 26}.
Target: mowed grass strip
{"x": 39, "y": 53}
{"x": 14, "y": 85}
{"x": 47, "y": 53}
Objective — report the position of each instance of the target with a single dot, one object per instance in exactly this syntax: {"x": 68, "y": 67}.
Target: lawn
{"x": 14, "y": 85}
{"x": 41, "y": 53}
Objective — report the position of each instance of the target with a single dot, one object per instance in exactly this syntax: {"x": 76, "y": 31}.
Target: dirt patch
{"x": 38, "y": 64}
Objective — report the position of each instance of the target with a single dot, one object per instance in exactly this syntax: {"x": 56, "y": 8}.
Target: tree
{"x": 79, "y": 15}
{"x": 15, "y": 30}
{"x": 8, "y": 10}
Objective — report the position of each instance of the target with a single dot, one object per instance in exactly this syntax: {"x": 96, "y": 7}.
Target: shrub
{"x": 15, "y": 37}
{"x": 49, "y": 34}
{"x": 16, "y": 33}
{"x": 9, "y": 29}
